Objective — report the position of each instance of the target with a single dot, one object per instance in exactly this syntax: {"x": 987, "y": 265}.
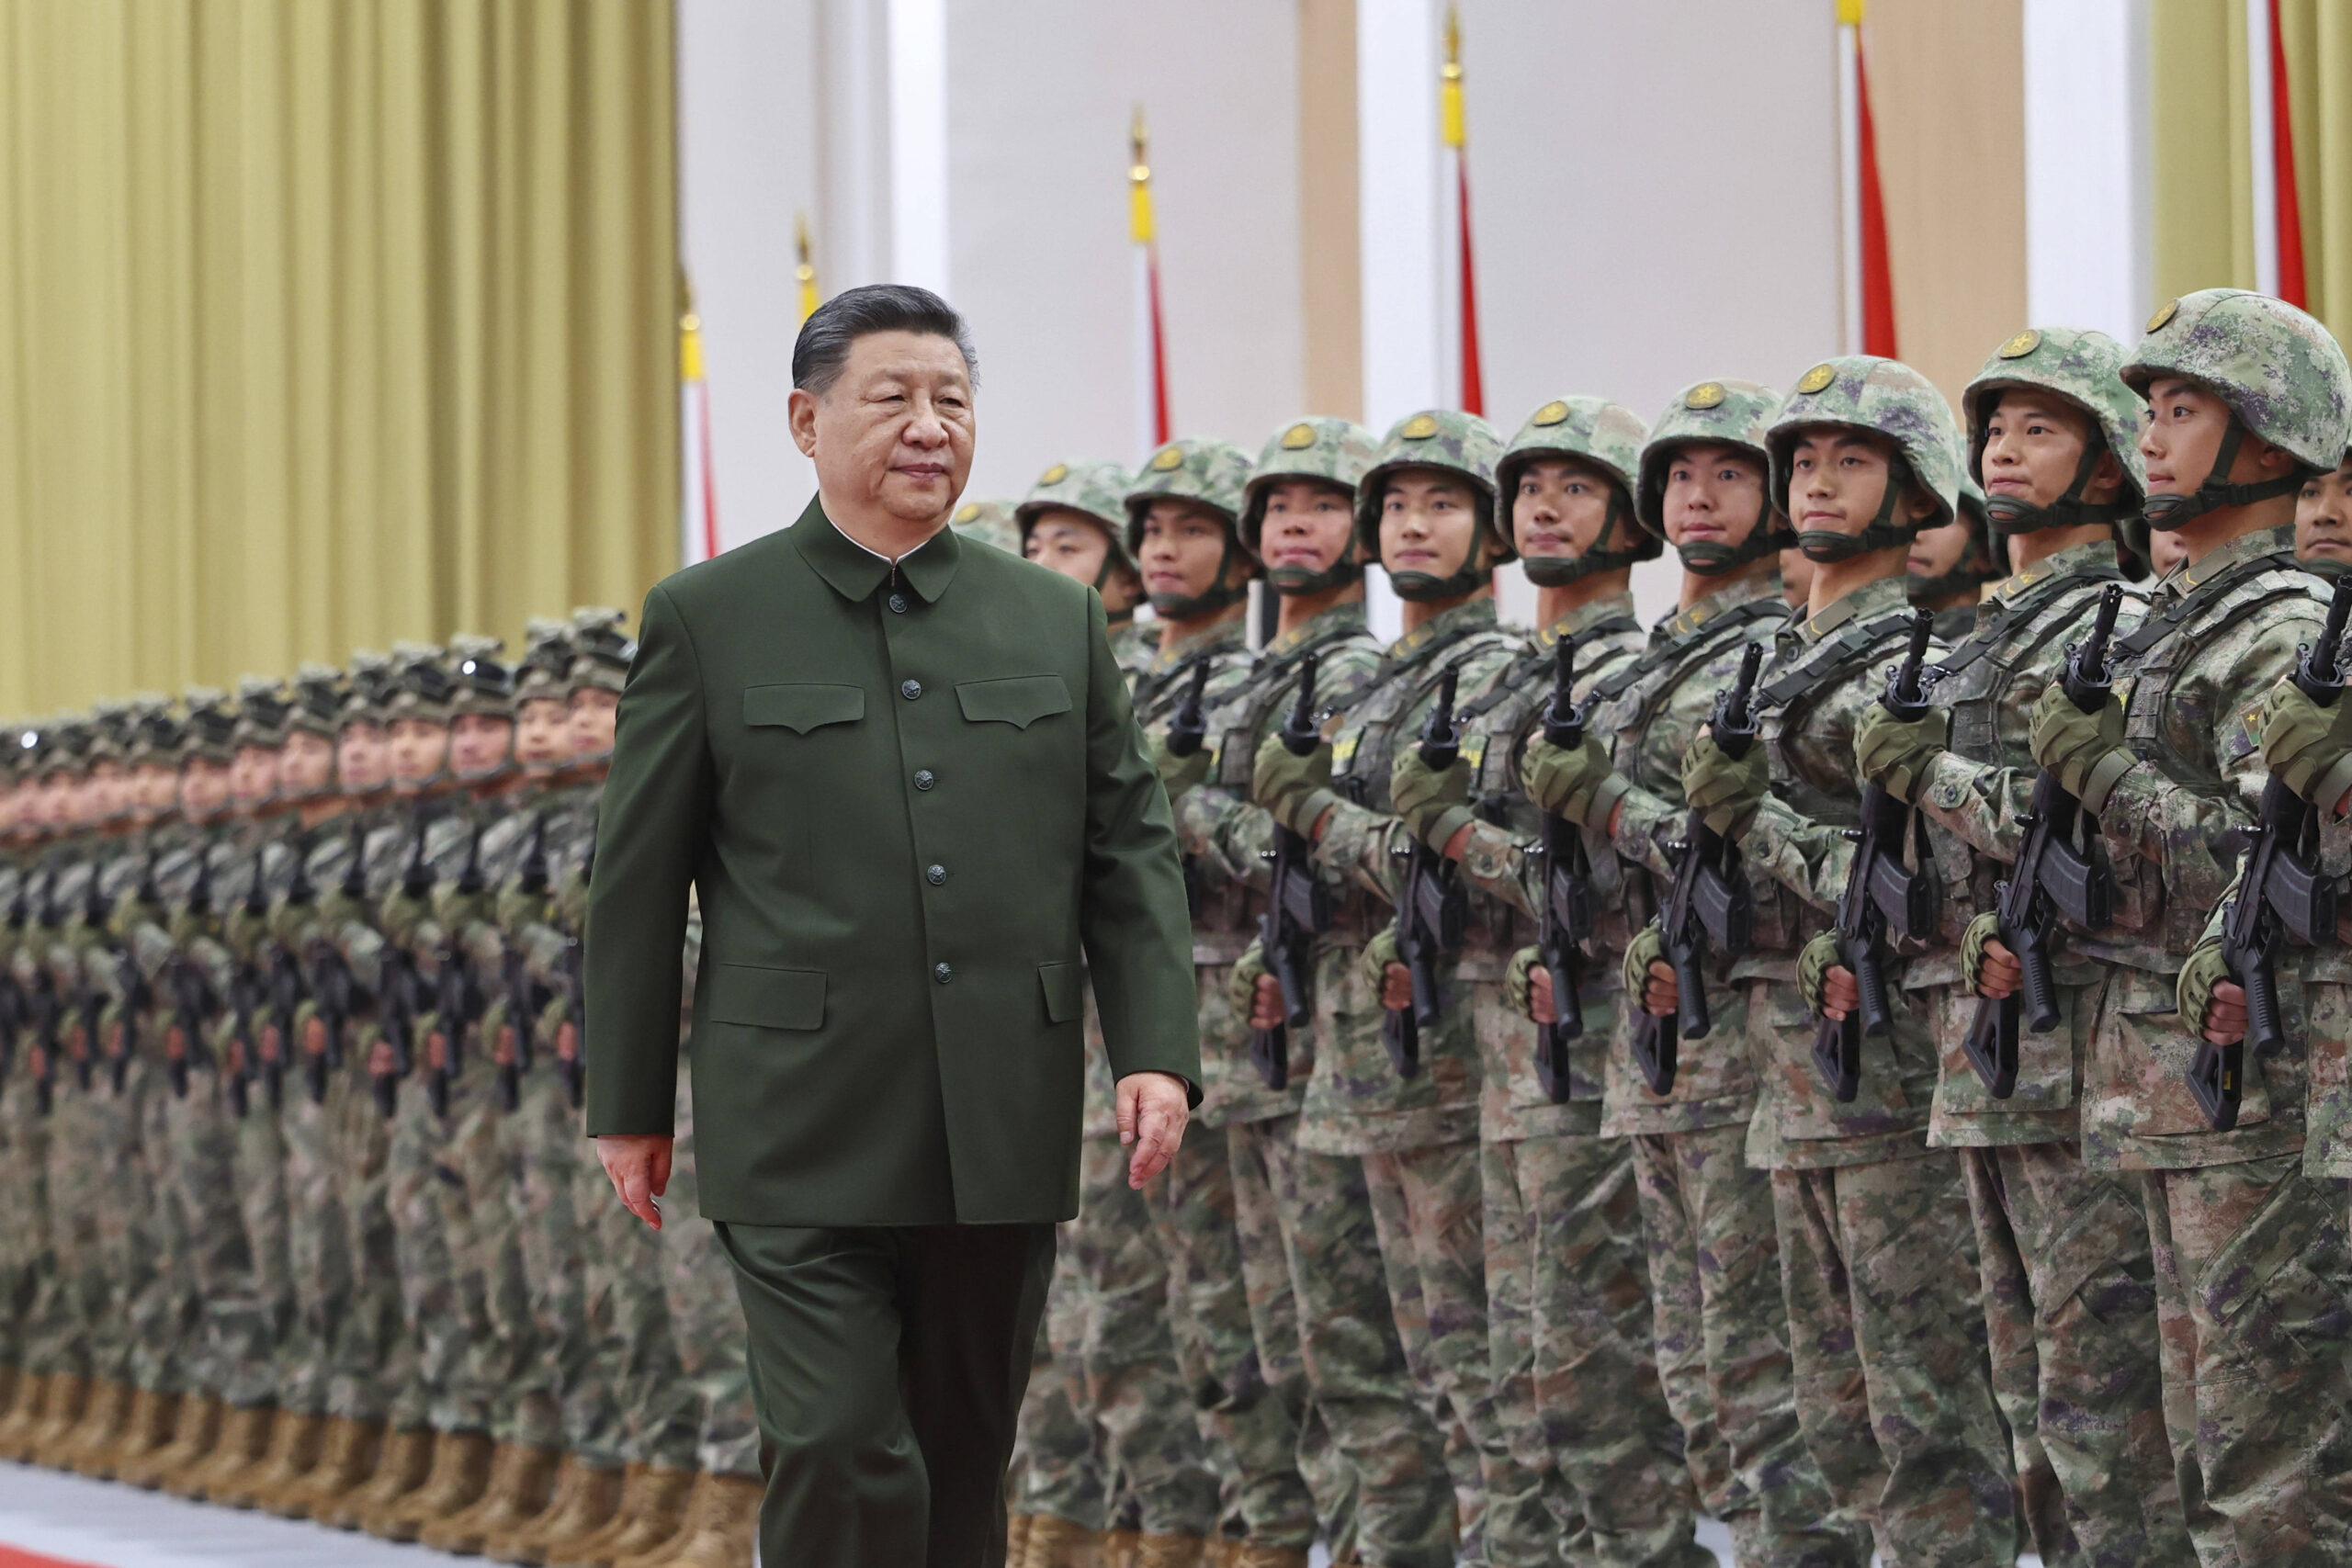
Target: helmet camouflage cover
{"x": 1336, "y": 451}
{"x": 2082, "y": 366}
{"x": 1719, "y": 413}
{"x": 602, "y": 648}
{"x": 1608, "y": 435}
{"x": 485, "y": 682}
{"x": 1202, "y": 469}
{"x": 262, "y": 712}
{"x": 1091, "y": 488}
{"x": 1446, "y": 439}
{"x": 990, "y": 522}
{"x": 2281, "y": 373}
{"x": 1886, "y": 398}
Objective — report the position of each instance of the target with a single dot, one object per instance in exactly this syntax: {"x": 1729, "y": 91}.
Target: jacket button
{"x": 910, "y": 690}
{"x": 925, "y": 778}
{"x": 937, "y": 874}
{"x": 898, "y": 603}
{"x": 942, "y": 972}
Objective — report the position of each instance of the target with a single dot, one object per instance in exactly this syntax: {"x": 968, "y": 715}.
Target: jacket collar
{"x": 854, "y": 573}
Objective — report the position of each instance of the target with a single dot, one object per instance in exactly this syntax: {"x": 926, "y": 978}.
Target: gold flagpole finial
{"x": 689, "y": 331}
{"x": 805, "y": 274}
{"x": 1453, "y": 127}
{"x": 1849, "y": 12}
{"x": 1139, "y": 146}
{"x": 1139, "y": 225}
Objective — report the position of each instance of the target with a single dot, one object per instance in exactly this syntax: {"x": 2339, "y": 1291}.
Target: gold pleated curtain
{"x": 2202, "y": 148}
{"x": 325, "y": 323}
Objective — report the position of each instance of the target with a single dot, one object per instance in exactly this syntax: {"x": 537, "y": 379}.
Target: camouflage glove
{"x": 2193, "y": 992}
{"x": 1820, "y": 956}
{"x": 1897, "y": 753}
{"x": 2307, "y": 746}
{"x": 1726, "y": 790}
{"x": 1434, "y": 802}
{"x": 1377, "y": 955}
{"x": 2084, "y": 750}
{"x": 1579, "y": 784}
{"x": 1178, "y": 774}
{"x": 1647, "y": 947}
{"x": 1295, "y": 789}
{"x": 1982, "y": 930}
{"x": 1241, "y": 984}
{"x": 1519, "y": 980}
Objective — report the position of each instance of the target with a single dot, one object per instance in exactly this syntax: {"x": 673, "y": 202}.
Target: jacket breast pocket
{"x": 762, "y": 998}
{"x": 1062, "y": 984}
{"x": 802, "y": 707}
{"x": 1018, "y": 700}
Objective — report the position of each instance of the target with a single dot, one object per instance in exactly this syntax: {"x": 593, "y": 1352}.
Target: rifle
{"x": 1882, "y": 893}
{"x": 522, "y": 993}
{"x": 396, "y": 1017}
{"x": 46, "y": 1006}
{"x": 191, "y": 1004}
{"x": 1298, "y": 906}
{"x": 575, "y": 986}
{"x": 2052, "y": 879}
{"x": 1187, "y": 729}
{"x": 2282, "y": 895}
{"x": 1430, "y": 907}
{"x": 1711, "y": 900}
{"x": 330, "y": 983}
{"x": 1566, "y": 918}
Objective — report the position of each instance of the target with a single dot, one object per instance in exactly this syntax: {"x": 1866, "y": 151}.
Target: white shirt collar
{"x": 869, "y": 549}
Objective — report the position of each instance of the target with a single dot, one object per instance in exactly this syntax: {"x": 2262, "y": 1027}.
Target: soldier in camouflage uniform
{"x": 1427, "y": 508}
{"x": 989, "y": 521}
{"x": 25, "y": 1274}
{"x": 1949, "y": 567}
{"x": 2247, "y": 396}
{"x": 2069, "y": 1298}
{"x": 1074, "y": 520}
{"x": 1887, "y": 1347}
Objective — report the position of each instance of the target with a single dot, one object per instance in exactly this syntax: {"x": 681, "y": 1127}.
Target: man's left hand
{"x": 1153, "y": 1109}
{"x": 638, "y": 1166}
{"x": 1434, "y": 802}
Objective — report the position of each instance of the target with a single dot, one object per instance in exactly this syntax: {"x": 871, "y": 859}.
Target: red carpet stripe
{"x": 12, "y": 1558}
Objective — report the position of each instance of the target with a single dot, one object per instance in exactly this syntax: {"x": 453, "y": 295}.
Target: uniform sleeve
{"x": 1133, "y": 917}
{"x": 656, "y": 812}
{"x": 1810, "y": 859}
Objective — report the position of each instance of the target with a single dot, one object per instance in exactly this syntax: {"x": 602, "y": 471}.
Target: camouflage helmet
{"x": 485, "y": 680}
{"x": 602, "y": 649}
{"x": 1334, "y": 452}
{"x": 157, "y": 735}
{"x": 545, "y": 674}
{"x": 318, "y": 701}
{"x": 1607, "y": 436}
{"x": 262, "y": 712}
{"x": 212, "y": 725}
{"x": 1720, "y": 412}
{"x": 1209, "y": 473}
{"x": 989, "y": 522}
{"x": 372, "y": 684}
{"x": 1888, "y": 399}
{"x": 1097, "y": 492}
{"x": 2081, "y": 367}
{"x": 65, "y": 746}
{"x": 2281, "y": 373}
{"x": 422, "y": 686}
{"x": 110, "y": 732}
{"x": 1455, "y": 443}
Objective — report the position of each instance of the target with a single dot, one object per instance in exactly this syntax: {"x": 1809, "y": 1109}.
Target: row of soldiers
{"x": 1786, "y": 1063}
{"x": 290, "y": 1077}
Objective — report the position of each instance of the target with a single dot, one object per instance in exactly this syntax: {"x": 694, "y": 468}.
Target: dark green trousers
{"x": 887, "y": 1366}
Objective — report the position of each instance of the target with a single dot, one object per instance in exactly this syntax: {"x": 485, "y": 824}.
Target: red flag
{"x": 1454, "y": 131}
{"x": 1878, "y": 274}
{"x": 1151, "y": 338}
{"x": 2291, "y": 286}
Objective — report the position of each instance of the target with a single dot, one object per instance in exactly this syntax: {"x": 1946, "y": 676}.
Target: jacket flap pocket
{"x": 1019, "y": 700}
{"x": 1062, "y": 983}
{"x": 767, "y": 999}
{"x": 802, "y": 707}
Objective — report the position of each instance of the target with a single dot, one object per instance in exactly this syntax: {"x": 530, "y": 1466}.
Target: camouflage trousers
{"x": 139, "y": 1344}
{"x": 1722, "y": 1334}
{"x": 371, "y": 1356}
{"x": 500, "y": 1383}
{"x": 318, "y": 1267}
{"x": 1885, "y": 1338}
{"x": 2252, "y": 1276}
{"x": 100, "y": 1348}
{"x": 1059, "y": 1449}
{"x": 540, "y": 1142}
{"x": 705, "y": 1315}
{"x": 234, "y": 1357}
{"x": 261, "y": 1203}
{"x": 29, "y": 1296}
{"x": 2070, "y": 1316}
{"x": 632, "y": 1405}
{"x": 433, "y": 1316}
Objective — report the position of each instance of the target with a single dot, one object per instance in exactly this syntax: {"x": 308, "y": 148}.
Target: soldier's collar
{"x": 2193, "y": 575}
{"x": 1584, "y": 617}
{"x": 1462, "y": 618}
{"x": 1886, "y": 593}
{"x": 1232, "y": 632}
{"x": 1338, "y": 618}
{"x": 1731, "y": 596}
{"x": 854, "y": 573}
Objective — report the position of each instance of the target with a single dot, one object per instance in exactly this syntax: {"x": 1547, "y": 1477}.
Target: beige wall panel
{"x": 1329, "y": 257}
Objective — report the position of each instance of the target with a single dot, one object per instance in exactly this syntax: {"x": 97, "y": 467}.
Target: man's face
{"x": 12, "y": 807}
{"x": 478, "y": 744}
{"x": 305, "y": 763}
{"x": 1428, "y": 522}
{"x": 204, "y": 789}
{"x": 2034, "y": 443}
{"x": 252, "y": 776}
{"x": 85, "y": 801}
{"x": 2183, "y": 435}
{"x": 1796, "y": 577}
{"x": 594, "y": 710}
{"x": 1182, "y": 545}
{"x": 1837, "y": 479}
{"x": 543, "y": 733}
{"x": 1714, "y": 494}
{"x": 363, "y": 758}
{"x": 2167, "y": 550}
{"x": 1306, "y": 526}
{"x": 1560, "y": 508}
{"x": 2324, "y": 517}
{"x": 420, "y": 749}
{"x": 1069, "y": 542}
{"x": 894, "y": 432}
{"x": 1934, "y": 551}
{"x": 155, "y": 788}
{"x": 110, "y": 790}
{"x": 55, "y": 793}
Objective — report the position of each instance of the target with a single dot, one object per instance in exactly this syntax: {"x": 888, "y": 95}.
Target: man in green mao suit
{"x": 902, "y": 778}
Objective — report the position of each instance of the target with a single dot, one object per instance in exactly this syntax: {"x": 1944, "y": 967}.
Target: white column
{"x": 2087, "y": 164}
{"x": 918, "y": 75}
{"x": 1849, "y": 179}
{"x": 853, "y": 237}
{"x": 2261, "y": 145}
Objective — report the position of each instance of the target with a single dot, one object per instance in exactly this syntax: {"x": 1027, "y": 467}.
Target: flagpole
{"x": 698, "y": 498}
{"x": 1453, "y": 130}
{"x": 1150, "y": 343}
{"x": 2263, "y": 159}
{"x": 1849, "y": 166}
{"x": 805, "y": 272}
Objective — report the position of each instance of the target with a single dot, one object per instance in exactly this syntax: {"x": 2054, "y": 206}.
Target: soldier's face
{"x": 1183, "y": 546}
{"x": 543, "y": 734}
{"x": 1837, "y": 478}
{"x": 1796, "y": 577}
{"x": 1713, "y": 495}
{"x": 204, "y": 789}
{"x": 2166, "y": 550}
{"x": 252, "y": 777}
{"x": 478, "y": 745}
{"x": 156, "y": 786}
{"x": 306, "y": 763}
{"x": 12, "y": 807}
{"x": 592, "y": 713}
{"x": 1560, "y": 508}
{"x": 2324, "y": 517}
{"x": 363, "y": 758}
{"x": 85, "y": 801}
{"x": 894, "y": 432}
{"x": 1064, "y": 541}
{"x": 2183, "y": 436}
{"x": 1306, "y": 526}
{"x": 420, "y": 749}
{"x": 110, "y": 790}
{"x": 2034, "y": 444}
{"x": 1428, "y": 522}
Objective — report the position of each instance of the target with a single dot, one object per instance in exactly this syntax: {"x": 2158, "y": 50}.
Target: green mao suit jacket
{"x": 916, "y": 809}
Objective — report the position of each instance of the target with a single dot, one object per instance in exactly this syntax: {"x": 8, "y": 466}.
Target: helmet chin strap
{"x": 1884, "y": 533}
{"x": 1296, "y": 582}
{"x": 1420, "y": 587}
{"x": 2167, "y": 513}
{"x": 1558, "y": 572}
{"x": 1220, "y": 595}
{"x": 2014, "y": 515}
{"x": 1708, "y": 559}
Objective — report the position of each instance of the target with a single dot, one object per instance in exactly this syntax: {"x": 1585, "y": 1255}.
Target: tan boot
{"x": 153, "y": 1418}
{"x": 295, "y": 1440}
{"x": 1250, "y": 1554}
{"x": 584, "y": 1501}
{"x": 406, "y": 1460}
{"x": 1119, "y": 1548}
{"x": 721, "y": 1530}
{"x": 194, "y": 1431}
{"x": 1055, "y": 1542}
{"x": 461, "y": 1474}
{"x": 100, "y": 1429}
{"x": 1169, "y": 1552}
{"x": 650, "y": 1516}
{"x": 68, "y": 1401}
{"x": 1016, "y": 1539}
{"x": 23, "y": 1414}
{"x": 522, "y": 1482}
{"x": 583, "y": 1546}
{"x": 244, "y": 1439}
{"x": 348, "y": 1454}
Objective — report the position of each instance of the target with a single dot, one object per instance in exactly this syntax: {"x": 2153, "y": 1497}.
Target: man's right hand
{"x": 1266, "y": 1003}
{"x": 639, "y": 1165}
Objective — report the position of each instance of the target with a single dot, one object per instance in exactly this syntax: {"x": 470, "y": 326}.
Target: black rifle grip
{"x": 1694, "y": 1019}
{"x": 2041, "y": 991}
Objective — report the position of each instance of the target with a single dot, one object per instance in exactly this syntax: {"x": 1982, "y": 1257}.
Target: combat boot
{"x": 722, "y": 1526}
{"x": 194, "y": 1433}
{"x": 103, "y": 1414}
{"x": 584, "y": 1500}
{"x": 244, "y": 1437}
{"x": 68, "y": 1401}
{"x": 154, "y": 1418}
{"x": 460, "y": 1473}
{"x": 522, "y": 1480}
{"x": 1055, "y": 1542}
{"x": 1250, "y": 1554}
{"x": 1119, "y": 1548}
{"x": 294, "y": 1443}
{"x": 24, "y": 1413}
{"x": 1016, "y": 1539}
{"x": 347, "y": 1456}
{"x": 582, "y": 1545}
{"x": 1169, "y": 1552}
{"x": 650, "y": 1516}
{"x": 406, "y": 1460}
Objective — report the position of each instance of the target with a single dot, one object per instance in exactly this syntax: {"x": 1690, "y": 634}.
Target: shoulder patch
{"x": 967, "y": 512}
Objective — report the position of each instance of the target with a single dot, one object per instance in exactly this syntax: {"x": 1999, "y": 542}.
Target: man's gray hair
{"x": 822, "y": 348}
